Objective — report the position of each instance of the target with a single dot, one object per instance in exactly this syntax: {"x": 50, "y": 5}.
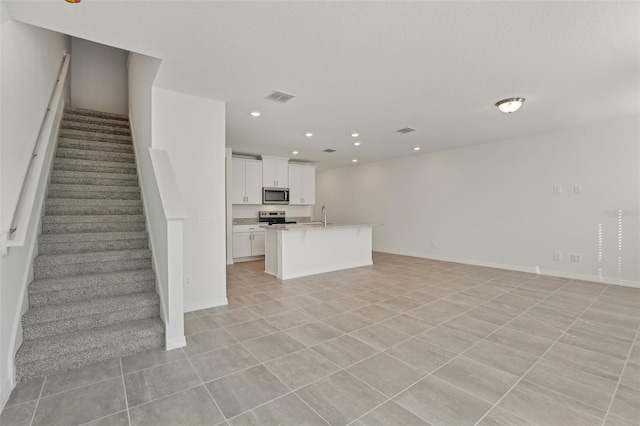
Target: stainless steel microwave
{"x": 275, "y": 195}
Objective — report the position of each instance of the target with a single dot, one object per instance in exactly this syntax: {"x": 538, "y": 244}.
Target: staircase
{"x": 93, "y": 294}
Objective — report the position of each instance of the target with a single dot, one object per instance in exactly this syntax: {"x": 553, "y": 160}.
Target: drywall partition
{"x": 191, "y": 130}
{"x": 164, "y": 214}
{"x": 99, "y": 77}
{"x": 30, "y": 60}
{"x": 494, "y": 204}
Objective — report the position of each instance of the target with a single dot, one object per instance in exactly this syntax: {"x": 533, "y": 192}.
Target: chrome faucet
{"x": 324, "y": 215}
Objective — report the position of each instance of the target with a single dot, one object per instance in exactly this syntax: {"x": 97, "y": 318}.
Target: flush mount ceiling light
{"x": 308, "y": 134}
{"x": 294, "y": 152}
{"x": 355, "y": 135}
{"x": 355, "y": 160}
{"x": 417, "y": 148}
{"x": 356, "y": 143}
{"x": 510, "y": 105}
{"x": 256, "y": 114}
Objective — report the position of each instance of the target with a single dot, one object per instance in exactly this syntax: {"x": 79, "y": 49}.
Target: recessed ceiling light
{"x": 294, "y": 152}
{"x": 308, "y": 134}
{"x": 355, "y": 135}
{"x": 355, "y": 160}
{"x": 256, "y": 113}
{"x": 510, "y": 105}
{"x": 417, "y": 148}
{"x": 356, "y": 143}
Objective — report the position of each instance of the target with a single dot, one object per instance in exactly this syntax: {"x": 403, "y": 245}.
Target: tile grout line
{"x": 202, "y": 383}
{"x": 281, "y": 381}
{"x": 124, "y": 386}
{"x": 626, "y": 363}
{"x": 33, "y": 416}
{"x": 428, "y": 374}
{"x": 545, "y": 352}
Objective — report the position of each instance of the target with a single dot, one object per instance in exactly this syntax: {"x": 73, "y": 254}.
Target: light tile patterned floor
{"x": 405, "y": 342}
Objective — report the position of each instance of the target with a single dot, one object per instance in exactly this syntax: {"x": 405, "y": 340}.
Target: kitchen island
{"x": 299, "y": 250}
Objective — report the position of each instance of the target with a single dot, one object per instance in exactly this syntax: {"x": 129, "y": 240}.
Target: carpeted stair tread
{"x": 94, "y": 145}
{"x": 81, "y": 228}
{"x": 80, "y": 281}
{"x": 40, "y": 357}
{"x": 99, "y": 256}
{"x": 93, "y": 218}
{"x": 94, "y": 246}
{"x": 92, "y": 206}
{"x": 93, "y": 113}
{"x": 91, "y": 202}
{"x": 95, "y": 128}
{"x": 92, "y": 188}
{"x": 89, "y": 307}
{"x": 78, "y": 165}
{"x": 93, "y": 295}
{"x": 93, "y": 136}
{"x": 66, "y": 177}
{"x": 85, "y": 154}
{"x": 100, "y": 121}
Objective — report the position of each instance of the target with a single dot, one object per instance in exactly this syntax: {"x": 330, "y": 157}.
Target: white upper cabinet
{"x": 246, "y": 181}
{"x": 302, "y": 184}
{"x": 275, "y": 172}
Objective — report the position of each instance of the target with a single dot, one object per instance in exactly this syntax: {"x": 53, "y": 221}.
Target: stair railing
{"x": 39, "y": 164}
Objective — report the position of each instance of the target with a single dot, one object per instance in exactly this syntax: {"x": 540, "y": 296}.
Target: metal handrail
{"x": 16, "y": 235}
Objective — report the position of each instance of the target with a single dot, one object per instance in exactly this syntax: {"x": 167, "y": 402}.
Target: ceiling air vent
{"x": 406, "y": 130}
{"x": 281, "y": 97}
{"x": 329, "y": 150}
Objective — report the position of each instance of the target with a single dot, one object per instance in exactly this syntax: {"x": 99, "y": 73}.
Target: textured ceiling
{"x": 376, "y": 67}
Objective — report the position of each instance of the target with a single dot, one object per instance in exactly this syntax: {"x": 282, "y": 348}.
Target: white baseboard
{"x": 180, "y": 342}
{"x": 211, "y": 303}
{"x": 529, "y": 269}
{"x": 5, "y": 392}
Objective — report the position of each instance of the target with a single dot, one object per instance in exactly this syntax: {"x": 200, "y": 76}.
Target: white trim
{"x": 180, "y": 342}
{"x": 211, "y": 303}
{"x": 529, "y": 269}
{"x": 5, "y": 392}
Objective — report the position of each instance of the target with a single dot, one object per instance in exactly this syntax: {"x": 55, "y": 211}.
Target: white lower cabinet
{"x": 248, "y": 241}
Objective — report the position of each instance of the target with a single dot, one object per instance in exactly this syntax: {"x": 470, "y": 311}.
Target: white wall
{"x": 30, "y": 60}
{"x": 192, "y": 130}
{"x": 99, "y": 77}
{"x": 493, "y": 204}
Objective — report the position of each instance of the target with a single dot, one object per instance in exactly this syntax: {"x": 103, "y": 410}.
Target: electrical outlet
{"x": 577, "y": 189}
{"x": 557, "y": 189}
{"x": 187, "y": 281}
{"x": 576, "y": 257}
{"x": 434, "y": 243}
{"x": 557, "y": 256}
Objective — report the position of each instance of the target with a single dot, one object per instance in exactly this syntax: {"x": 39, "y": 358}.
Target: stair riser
{"x": 63, "y": 164}
{"x": 94, "y": 181}
{"x": 95, "y": 146}
{"x": 89, "y": 127}
{"x": 97, "y": 114}
{"x": 56, "y": 271}
{"x": 93, "y": 246}
{"x": 95, "y": 210}
{"x": 79, "y": 228}
{"x": 81, "y": 154}
{"x": 88, "y": 293}
{"x": 72, "y": 325}
{"x": 95, "y": 195}
{"x": 99, "y": 137}
{"x": 76, "y": 118}
{"x": 116, "y": 349}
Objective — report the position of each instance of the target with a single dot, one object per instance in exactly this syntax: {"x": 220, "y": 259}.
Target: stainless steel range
{"x": 273, "y": 217}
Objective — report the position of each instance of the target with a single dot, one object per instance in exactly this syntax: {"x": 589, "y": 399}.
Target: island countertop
{"x": 316, "y": 225}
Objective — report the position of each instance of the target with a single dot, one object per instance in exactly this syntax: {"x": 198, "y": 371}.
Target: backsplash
{"x": 252, "y": 220}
